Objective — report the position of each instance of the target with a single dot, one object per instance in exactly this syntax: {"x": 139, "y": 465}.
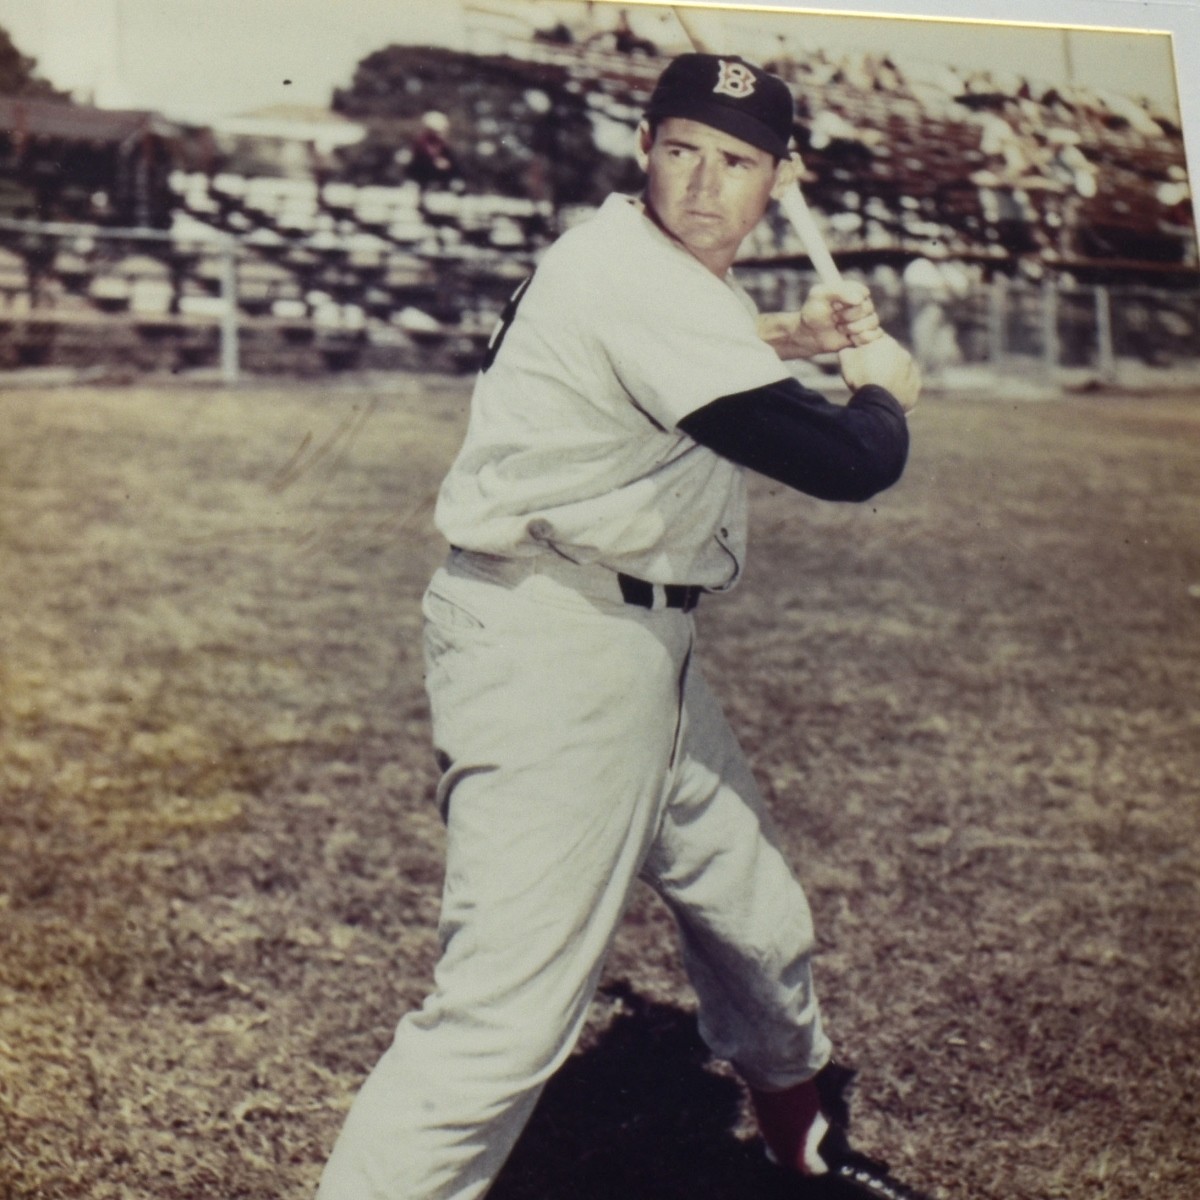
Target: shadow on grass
{"x": 638, "y": 1116}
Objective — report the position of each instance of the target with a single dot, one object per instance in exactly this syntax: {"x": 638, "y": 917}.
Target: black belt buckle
{"x": 641, "y": 593}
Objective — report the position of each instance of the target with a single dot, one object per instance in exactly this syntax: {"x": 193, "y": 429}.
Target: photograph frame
{"x": 240, "y": 894}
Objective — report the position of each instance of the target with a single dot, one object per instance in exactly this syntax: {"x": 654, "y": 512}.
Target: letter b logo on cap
{"x": 735, "y": 79}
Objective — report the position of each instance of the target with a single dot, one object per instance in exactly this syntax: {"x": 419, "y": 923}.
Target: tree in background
{"x": 18, "y": 74}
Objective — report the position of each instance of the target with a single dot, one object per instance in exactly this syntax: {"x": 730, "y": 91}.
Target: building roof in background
{"x": 76, "y": 122}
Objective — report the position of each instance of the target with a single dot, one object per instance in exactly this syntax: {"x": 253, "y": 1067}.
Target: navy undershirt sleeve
{"x": 795, "y": 436}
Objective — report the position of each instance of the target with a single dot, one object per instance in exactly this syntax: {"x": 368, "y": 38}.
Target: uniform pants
{"x": 583, "y": 751}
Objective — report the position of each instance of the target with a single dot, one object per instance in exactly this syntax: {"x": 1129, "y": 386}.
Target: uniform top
{"x": 572, "y": 445}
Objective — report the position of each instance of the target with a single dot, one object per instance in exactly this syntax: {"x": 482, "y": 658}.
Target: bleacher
{"x": 347, "y": 255}
{"x": 915, "y": 179}
{"x": 894, "y": 173}
{"x": 347, "y": 263}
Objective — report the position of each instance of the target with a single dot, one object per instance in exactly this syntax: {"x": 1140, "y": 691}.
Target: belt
{"x": 674, "y": 595}
{"x": 592, "y": 580}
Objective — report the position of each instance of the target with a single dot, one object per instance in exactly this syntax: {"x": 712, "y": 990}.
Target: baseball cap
{"x": 730, "y": 94}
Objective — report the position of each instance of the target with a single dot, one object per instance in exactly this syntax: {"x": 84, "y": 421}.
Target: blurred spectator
{"x": 1178, "y": 218}
{"x": 431, "y": 160}
{"x": 558, "y": 34}
{"x": 623, "y": 38}
{"x": 829, "y": 126}
{"x": 628, "y": 42}
{"x": 934, "y": 289}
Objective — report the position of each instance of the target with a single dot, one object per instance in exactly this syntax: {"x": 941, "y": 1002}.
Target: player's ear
{"x": 643, "y": 140}
{"x": 787, "y": 173}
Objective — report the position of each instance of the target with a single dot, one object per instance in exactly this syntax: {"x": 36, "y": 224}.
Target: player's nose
{"x": 705, "y": 178}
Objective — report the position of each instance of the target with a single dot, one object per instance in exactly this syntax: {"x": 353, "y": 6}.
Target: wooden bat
{"x": 794, "y": 206}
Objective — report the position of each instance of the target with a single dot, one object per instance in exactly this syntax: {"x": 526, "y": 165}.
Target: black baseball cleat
{"x": 857, "y": 1178}
{"x": 850, "y": 1175}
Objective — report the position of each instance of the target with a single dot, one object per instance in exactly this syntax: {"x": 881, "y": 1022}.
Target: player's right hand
{"x": 885, "y": 363}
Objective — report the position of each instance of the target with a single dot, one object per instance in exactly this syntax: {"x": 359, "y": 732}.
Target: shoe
{"x": 849, "y": 1174}
{"x": 857, "y": 1177}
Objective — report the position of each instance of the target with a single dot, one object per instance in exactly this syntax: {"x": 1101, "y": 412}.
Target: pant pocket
{"x": 440, "y": 609}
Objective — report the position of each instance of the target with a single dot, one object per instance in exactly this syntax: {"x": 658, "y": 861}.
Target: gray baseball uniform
{"x": 582, "y": 748}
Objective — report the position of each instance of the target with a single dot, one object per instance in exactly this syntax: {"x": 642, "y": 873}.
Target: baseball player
{"x": 599, "y": 494}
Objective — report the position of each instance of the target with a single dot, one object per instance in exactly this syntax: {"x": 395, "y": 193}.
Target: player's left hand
{"x": 839, "y": 317}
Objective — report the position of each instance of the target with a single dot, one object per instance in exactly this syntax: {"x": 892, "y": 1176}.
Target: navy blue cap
{"x": 730, "y": 94}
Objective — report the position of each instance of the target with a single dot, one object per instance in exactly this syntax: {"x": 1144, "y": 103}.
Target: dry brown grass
{"x": 973, "y": 705}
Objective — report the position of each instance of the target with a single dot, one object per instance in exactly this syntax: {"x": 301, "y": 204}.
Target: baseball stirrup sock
{"x": 792, "y": 1125}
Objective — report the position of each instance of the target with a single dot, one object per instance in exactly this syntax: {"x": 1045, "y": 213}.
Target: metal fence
{"x": 1062, "y": 327}
{"x": 66, "y": 290}
{"x": 1049, "y": 327}
{"x": 70, "y": 295}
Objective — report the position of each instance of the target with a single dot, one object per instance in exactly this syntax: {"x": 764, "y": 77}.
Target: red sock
{"x": 786, "y": 1120}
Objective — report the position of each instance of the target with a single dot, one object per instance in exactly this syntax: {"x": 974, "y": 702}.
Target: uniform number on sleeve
{"x": 506, "y": 319}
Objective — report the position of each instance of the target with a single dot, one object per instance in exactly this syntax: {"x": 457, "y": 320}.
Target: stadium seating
{"x": 896, "y": 170}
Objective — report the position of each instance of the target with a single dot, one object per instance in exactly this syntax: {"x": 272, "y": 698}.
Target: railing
{"x": 1049, "y": 327}
{"x": 81, "y": 274}
{"x": 213, "y": 292}
{"x": 70, "y": 294}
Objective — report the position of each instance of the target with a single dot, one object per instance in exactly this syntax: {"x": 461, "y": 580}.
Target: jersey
{"x": 572, "y": 443}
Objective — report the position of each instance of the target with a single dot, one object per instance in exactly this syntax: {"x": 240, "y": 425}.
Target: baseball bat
{"x": 794, "y": 206}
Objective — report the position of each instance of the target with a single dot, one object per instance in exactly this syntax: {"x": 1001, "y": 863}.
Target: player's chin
{"x": 707, "y": 233}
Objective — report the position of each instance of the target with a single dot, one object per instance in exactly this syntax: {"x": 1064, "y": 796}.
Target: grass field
{"x": 972, "y": 703}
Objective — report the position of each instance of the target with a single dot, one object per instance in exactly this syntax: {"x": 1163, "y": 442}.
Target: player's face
{"x": 706, "y": 188}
